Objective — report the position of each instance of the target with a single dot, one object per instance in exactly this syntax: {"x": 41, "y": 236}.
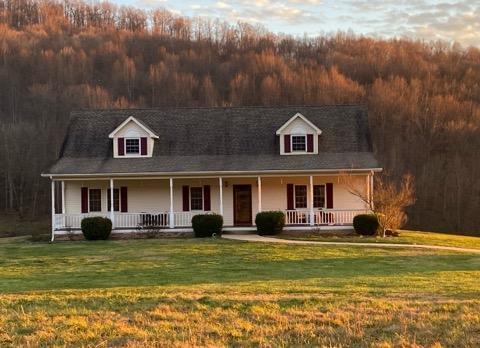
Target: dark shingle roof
{"x": 217, "y": 139}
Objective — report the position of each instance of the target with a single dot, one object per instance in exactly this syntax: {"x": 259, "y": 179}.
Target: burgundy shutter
{"x": 286, "y": 143}
{"x": 123, "y": 199}
{"x": 121, "y": 146}
{"x": 329, "y": 196}
{"x": 84, "y": 200}
{"x": 108, "y": 200}
{"x": 290, "y": 197}
{"x": 143, "y": 146}
{"x": 309, "y": 142}
{"x": 186, "y": 198}
{"x": 206, "y": 198}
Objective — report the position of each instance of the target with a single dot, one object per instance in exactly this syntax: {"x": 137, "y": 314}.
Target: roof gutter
{"x": 216, "y": 173}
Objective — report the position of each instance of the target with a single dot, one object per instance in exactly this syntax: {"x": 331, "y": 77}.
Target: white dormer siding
{"x": 298, "y": 136}
{"x": 132, "y": 139}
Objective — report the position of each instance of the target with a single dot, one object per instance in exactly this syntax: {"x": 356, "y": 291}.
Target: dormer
{"x": 132, "y": 139}
{"x": 298, "y": 136}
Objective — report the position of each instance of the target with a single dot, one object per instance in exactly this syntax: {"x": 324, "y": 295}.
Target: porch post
{"x": 112, "y": 213}
{"x": 369, "y": 193}
{"x": 310, "y": 199}
{"x": 259, "y": 180}
{"x": 220, "y": 183}
{"x": 63, "y": 203}
{"x": 371, "y": 190}
{"x": 53, "y": 209}
{"x": 171, "y": 215}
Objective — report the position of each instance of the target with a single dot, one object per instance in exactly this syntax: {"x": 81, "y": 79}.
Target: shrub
{"x": 366, "y": 224}
{"x": 270, "y": 222}
{"x": 96, "y": 228}
{"x": 205, "y": 225}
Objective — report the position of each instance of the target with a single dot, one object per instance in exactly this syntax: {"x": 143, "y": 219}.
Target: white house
{"x": 146, "y": 168}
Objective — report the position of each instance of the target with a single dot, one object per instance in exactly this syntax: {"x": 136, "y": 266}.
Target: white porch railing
{"x": 297, "y": 217}
{"x": 128, "y": 220}
{"x": 323, "y": 217}
{"x": 72, "y": 221}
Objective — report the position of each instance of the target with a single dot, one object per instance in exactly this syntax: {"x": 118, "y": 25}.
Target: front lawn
{"x": 405, "y": 237}
{"x": 218, "y": 292}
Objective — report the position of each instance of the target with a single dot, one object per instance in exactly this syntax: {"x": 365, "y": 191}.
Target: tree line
{"x": 423, "y": 97}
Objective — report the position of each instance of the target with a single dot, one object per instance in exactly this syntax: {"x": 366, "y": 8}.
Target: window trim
{"x": 295, "y": 197}
{"x": 132, "y": 154}
{"x": 89, "y": 197}
{"x": 304, "y": 136}
{"x": 324, "y": 196}
{"x": 190, "y": 197}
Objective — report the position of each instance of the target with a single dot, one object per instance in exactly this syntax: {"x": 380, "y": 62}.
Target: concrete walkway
{"x": 257, "y": 238}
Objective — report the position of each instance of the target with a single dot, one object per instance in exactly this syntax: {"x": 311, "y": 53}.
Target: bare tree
{"x": 388, "y": 200}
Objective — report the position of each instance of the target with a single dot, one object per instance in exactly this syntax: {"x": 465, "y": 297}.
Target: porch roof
{"x": 217, "y": 140}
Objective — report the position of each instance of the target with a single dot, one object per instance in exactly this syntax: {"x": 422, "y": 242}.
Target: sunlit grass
{"x": 405, "y": 237}
{"x": 216, "y": 292}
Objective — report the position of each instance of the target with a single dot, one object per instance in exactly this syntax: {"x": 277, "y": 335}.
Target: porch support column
{"x": 63, "y": 203}
{"x": 371, "y": 190}
{"x": 259, "y": 180}
{"x": 310, "y": 199}
{"x": 112, "y": 212}
{"x": 53, "y": 209}
{"x": 171, "y": 215}
{"x": 369, "y": 193}
{"x": 220, "y": 183}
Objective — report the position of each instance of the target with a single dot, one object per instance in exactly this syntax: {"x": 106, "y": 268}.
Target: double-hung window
{"x": 94, "y": 200}
{"x": 299, "y": 143}
{"x": 196, "y": 198}
{"x": 300, "y": 196}
{"x": 132, "y": 146}
{"x": 319, "y": 196}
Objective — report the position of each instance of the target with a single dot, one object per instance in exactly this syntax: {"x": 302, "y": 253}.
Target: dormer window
{"x": 132, "y": 146}
{"x": 298, "y": 136}
{"x": 132, "y": 138}
{"x": 299, "y": 143}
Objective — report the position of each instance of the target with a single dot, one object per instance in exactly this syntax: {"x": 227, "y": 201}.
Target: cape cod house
{"x": 146, "y": 168}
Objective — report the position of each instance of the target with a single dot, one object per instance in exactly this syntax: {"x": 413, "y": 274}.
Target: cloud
{"x": 449, "y": 20}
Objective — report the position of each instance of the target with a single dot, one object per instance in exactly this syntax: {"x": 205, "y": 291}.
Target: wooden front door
{"x": 242, "y": 205}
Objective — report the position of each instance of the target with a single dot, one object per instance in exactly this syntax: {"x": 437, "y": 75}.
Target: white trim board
{"x": 140, "y": 124}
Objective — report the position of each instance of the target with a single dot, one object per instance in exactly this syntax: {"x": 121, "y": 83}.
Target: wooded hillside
{"x": 423, "y": 97}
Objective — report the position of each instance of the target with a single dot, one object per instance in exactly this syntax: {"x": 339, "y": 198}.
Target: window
{"x": 132, "y": 146}
{"x": 300, "y": 196}
{"x": 299, "y": 143}
{"x": 116, "y": 199}
{"x": 196, "y": 198}
{"x": 95, "y": 200}
{"x": 319, "y": 196}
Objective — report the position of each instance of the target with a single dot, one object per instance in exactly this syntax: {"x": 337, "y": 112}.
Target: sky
{"x": 452, "y": 21}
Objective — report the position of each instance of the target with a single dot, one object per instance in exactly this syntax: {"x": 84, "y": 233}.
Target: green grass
{"x": 186, "y": 292}
{"x": 406, "y": 237}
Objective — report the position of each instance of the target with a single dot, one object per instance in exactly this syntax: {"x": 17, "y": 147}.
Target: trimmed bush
{"x": 205, "y": 225}
{"x": 96, "y": 228}
{"x": 366, "y": 224}
{"x": 270, "y": 222}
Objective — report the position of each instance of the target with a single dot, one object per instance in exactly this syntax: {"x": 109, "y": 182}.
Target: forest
{"x": 423, "y": 97}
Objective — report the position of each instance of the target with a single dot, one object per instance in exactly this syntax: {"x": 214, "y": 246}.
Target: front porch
{"x": 162, "y": 220}
{"x": 168, "y": 204}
